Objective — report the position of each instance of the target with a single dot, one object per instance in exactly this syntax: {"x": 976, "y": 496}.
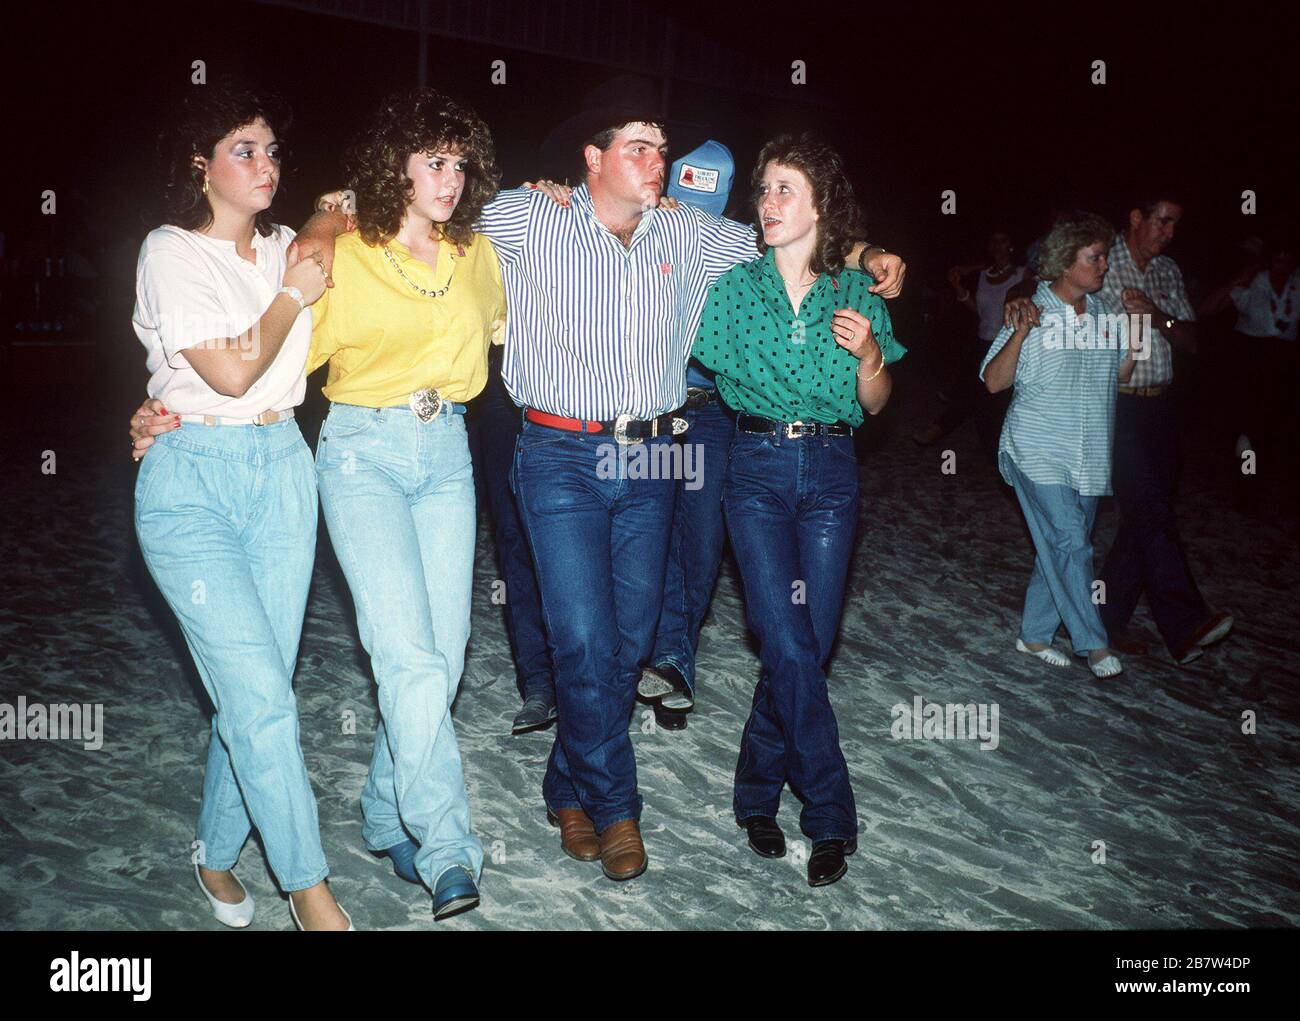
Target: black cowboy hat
{"x": 622, "y": 100}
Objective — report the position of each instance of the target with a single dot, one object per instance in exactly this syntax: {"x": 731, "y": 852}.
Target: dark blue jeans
{"x": 791, "y": 508}
{"x": 698, "y": 535}
{"x": 599, "y": 544}
{"x": 1147, "y": 555}
{"x": 494, "y": 421}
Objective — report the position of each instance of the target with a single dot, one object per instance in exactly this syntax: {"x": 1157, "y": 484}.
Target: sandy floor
{"x": 1199, "y": 820}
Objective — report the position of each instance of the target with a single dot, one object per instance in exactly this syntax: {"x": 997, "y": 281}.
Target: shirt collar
{"x": 1048, "y": 300}
{"x": 580, "y": 199}
{"x": 765, "y": 269}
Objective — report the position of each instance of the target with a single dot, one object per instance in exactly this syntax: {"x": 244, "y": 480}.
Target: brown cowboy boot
{"x": 622, "y": 854}
{"x": 577, "y": 834}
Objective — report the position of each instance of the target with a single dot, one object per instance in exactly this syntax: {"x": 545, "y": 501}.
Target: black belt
{"x": 699, "y": 397}
{"x": 791, "y": 430}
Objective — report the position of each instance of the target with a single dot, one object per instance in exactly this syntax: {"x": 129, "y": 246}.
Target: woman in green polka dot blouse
{"x": 800, "y": 348}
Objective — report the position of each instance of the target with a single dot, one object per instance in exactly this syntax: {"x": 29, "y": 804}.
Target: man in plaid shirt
{"x": 1147, "y": 554}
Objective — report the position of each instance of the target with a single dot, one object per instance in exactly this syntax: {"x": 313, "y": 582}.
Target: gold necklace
{"x": 427, "y": 293}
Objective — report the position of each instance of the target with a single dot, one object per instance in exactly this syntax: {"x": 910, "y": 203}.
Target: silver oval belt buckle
{"x": 426, "y": 404}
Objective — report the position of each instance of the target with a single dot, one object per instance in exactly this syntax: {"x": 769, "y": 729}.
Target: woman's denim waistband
{"x": 398, "y": 412}
{"x": 254, "y": 444}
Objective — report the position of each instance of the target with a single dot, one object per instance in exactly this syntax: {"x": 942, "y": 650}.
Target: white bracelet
{"x": 295, "y": 294}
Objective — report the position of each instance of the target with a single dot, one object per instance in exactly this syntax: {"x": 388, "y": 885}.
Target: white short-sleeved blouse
{"x": 190, "y": 288}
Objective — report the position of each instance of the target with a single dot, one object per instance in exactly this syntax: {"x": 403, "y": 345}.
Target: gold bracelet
{"x": 878, "y": 371}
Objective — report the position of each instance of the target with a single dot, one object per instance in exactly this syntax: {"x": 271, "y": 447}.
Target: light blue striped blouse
{"x": 593, "y": 329}
{"x": 1059, "y": 427}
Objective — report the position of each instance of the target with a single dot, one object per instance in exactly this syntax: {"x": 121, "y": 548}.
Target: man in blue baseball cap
{"x": 701, "y": 178}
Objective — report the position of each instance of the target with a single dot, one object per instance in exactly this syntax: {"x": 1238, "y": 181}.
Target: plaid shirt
{"x": 1163, "y": 284}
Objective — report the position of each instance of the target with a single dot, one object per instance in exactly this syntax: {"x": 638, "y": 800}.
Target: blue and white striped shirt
{"x": 595, "y": 330}
{"x": 1061, "y": 421}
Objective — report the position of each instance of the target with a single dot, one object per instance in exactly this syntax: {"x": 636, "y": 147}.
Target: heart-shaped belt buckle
{"x": 426, "y": 404}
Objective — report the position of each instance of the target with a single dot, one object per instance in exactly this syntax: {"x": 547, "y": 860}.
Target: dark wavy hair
{"x": 419, "y": 120}
{"x": 840, "y": 221}
{"x": 201, "y": 119}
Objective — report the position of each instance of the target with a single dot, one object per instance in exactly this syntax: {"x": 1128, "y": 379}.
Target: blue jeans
{"x": 226, "y": 518}
{"x": 1060, "y": 589}
{"x": 398, "y": 496}
{"x": 599, "y": 545}
{"x": 791, "y": 507}
{"x": 493, "y": 421}
{"x": 695, "y": 548}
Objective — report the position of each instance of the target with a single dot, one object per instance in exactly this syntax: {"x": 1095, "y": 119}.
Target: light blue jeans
{"x": 398, "y": 496}
{"x": 226, "y": 518}
{"x": 1060, "y": 589}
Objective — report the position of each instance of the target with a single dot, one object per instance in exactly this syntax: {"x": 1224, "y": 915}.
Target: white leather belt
{"x": 265, "y": 418}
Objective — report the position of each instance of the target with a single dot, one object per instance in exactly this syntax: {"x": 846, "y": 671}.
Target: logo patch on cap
{"x": 698, "y": 178}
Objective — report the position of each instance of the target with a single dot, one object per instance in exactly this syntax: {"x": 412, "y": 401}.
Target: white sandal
{"x": 237, "y": 916}
{"x": 1108, "y": 666}
{"x": 293, "y": 911}
{"x": 1049, "y": 655}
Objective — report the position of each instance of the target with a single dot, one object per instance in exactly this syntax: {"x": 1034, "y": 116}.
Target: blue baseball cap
{"x": 703, "y": 177}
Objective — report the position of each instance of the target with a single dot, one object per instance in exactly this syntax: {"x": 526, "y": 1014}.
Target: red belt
{"x": 573, "y": 425}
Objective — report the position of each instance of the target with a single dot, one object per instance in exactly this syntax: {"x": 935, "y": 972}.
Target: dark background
{"x": 992, "y": 101}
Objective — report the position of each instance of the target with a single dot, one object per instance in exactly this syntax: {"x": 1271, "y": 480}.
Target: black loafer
{"x": 670, "y": 719}
{"x": 765, "y": 836}
{"x": 826, "y": 864}
{"x": 538, "y": 711}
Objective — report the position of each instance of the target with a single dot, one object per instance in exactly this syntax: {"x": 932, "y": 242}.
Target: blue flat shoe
{"x": 403, "y": 858}
{"x": 454, "y": 893}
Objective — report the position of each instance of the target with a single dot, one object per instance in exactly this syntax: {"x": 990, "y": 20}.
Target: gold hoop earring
{"x": 205, "y": 186}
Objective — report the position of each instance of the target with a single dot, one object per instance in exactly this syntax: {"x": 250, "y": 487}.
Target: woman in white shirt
{"x": 225, "y": 509}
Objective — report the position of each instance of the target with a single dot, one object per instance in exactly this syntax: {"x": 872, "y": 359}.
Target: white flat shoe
{"x": 1049, "y": 655}
{"x": 237, "y": 916}
{"x": 294, "y": 912}
{"x": 1107, "y": 667}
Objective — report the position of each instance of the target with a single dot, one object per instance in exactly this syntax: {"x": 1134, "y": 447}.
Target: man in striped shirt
{"x": 1147, "y": 553}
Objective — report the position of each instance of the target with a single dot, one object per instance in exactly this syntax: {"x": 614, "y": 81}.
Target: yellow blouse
{"x": 383, "y": 339}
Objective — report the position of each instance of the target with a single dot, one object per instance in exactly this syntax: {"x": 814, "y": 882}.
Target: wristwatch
{"x": 862, "y": 256}
{"x": 295, "y": 294}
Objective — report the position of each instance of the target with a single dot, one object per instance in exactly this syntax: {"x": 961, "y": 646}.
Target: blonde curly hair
{"x": 1068, "y": 234}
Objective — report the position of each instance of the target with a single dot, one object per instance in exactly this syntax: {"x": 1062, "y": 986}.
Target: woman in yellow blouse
{"x": 417, "y": 300}
{"x": 417, "y": 297}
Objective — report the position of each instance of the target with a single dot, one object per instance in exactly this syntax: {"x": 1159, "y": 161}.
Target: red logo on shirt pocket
{"x": 666, "y": 268}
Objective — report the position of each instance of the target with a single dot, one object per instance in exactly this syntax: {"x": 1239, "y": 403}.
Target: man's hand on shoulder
{"x": 888, "y": 269}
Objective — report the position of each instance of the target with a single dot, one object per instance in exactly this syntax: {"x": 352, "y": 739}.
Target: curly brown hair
{"x": 840, "y": 221}
{"x": 419, "y": 120}
{"x": 201, "y": 119}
